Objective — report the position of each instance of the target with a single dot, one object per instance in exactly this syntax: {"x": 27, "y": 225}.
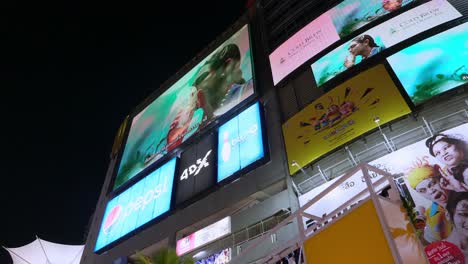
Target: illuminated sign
{"x": 197, "y": 169}
{"x": 338, "y": 22}
{"x": 223, "y": 257}
{"x": 204, "y": 236}
{"x": 385, "y": 35}
{"x": 141, "y": 203}
{"x": 341, "y": 115}
{"x": 429, "y": 68}
{"x": 213, "y": 87}
{"x": 240, "y": 142}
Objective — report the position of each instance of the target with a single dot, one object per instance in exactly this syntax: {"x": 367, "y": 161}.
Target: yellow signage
{"x": 344, "y": 113}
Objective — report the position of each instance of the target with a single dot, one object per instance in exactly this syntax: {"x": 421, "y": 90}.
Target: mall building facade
{"x": 325, "y": 86}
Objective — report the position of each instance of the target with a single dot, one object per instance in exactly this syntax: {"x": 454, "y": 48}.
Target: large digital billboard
{"x": 338, "y": 22}
{"x": 197, "y": 169}
{"x": 144, "y": 201}
{"x": 385, "y": 35}
{"x": 204, "y": 236}
{"x": 434, "y": 65}
{"x": 341, "y": 115}
{"x": 240, "y": 142}
{"x": 214, "y": 86}
{"x": 435, "y": 170}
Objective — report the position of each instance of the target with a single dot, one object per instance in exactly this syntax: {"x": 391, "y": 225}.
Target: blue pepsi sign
{"x": 240, "y": 142}
{"x": 141, "y": 203}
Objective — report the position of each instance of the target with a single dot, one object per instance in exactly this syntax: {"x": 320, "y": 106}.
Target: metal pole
{"x": 428, "y": 126}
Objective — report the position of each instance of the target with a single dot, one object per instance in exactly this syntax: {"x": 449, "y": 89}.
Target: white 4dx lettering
{"x": 194, "y": 169}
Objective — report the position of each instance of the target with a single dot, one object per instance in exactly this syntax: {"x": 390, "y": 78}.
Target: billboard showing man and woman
{"x": 436, "y": 172}
{"x": 385, "y": 35}
{"x": 217, "y": 84}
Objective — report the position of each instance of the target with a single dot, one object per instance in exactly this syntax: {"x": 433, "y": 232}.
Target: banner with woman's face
{"x": 435, "y": 172}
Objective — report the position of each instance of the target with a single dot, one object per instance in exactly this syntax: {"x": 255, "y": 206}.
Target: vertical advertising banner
{"x": 240, "y": 142}
{"x": 197, "y": 169}
{"x": 213, "y": 87}
{"x": 436, "y": 173}
{"x": 341, "y": 115}
{"x": 141, "y": 203}
{"x": 340, "y": 21}
{"x": 385, "y": 35}
{"x": 434, "y": 65}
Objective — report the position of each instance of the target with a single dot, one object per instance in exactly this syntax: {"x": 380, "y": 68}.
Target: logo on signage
{"x": 119, "y": 213}
{"x": 194, "y": 169}
{"x": 112, "y": 218}
{"x": 228, "y": 144}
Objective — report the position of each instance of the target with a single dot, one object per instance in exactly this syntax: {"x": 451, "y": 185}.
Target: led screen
{"x": 341, "y": 115}
{"x": 240, "y": 142}
{"x": 338, "y": 22}
{"x": 197, "y": 169}
{"x": 434, "y": 65}
{"x": 147, "y": 199}
{"x": 435, "y": 172}
{"x": 383, "y": 36}
{"x": 214, "y": 86}
{"x": 223, "y": 257}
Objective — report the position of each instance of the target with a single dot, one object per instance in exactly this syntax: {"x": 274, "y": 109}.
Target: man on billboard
{"x": 217, "y": 87}
{"x": 425, "y": 179}
{"x": 363, "y": 46}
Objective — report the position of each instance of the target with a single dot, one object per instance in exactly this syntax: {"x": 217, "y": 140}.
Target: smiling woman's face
{"x": 447, "y": 153}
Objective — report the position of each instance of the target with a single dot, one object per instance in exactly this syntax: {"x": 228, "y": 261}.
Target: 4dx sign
{"x": 194, "y": 169}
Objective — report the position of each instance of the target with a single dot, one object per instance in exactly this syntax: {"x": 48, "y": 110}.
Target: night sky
{"x": 70, "y": 72}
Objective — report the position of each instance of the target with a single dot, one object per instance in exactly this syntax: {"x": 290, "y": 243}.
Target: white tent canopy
{"x": 44, "y": 252}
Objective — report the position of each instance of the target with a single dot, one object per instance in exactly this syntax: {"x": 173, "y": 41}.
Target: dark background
{"x": 70, "y": 71}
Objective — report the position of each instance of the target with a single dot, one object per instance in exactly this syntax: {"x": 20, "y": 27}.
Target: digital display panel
{"x": 434, "y": 65}
{"x": 435, "y": 172}
{"x": 344, "y": 113}
{"x": 240, "y": 142}
{"x": 385, "y": 35}
{"x": 338, "y": 22}
{"x": 216, "y": 85}
{"x": 204, "y": 236}
{"x": 197, "y": 169}
{"x": 222, "y": 257}
{"x": 144, "y": 201}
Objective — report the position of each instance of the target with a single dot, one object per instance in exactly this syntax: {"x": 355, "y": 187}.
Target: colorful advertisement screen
{"x": 435, "y": 171}
{"x": 223, "y": 257}
{"x": 214, "y": 86}
{"x": 336, "y": 23}
{"x": 434, "y": 65}
{"x": 341, "y": 115}
{"x": 385, "y": 35}
{"x": 240, "y": 142}
{"x": 144, "y": 201}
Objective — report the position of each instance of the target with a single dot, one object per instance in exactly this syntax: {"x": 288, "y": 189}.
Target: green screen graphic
{"x": 214, "y": 86}
{"x": 434, "y": 65}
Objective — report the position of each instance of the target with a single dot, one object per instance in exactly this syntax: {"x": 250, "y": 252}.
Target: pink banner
{"x": 308, "y": 42}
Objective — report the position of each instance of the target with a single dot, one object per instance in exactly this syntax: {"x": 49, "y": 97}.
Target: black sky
{"x": 70, "y": 71}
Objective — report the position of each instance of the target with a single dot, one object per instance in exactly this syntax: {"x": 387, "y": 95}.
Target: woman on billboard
{"x": 453, "y": 153}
